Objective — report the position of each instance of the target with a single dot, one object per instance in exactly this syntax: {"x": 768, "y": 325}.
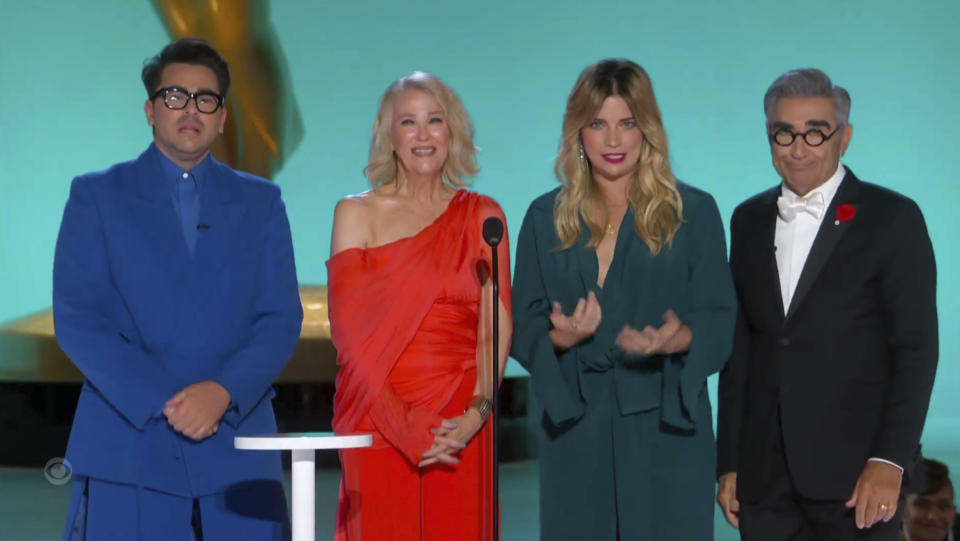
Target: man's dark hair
{"x": 186, "y": 51}
{"x": 936, "y": 476}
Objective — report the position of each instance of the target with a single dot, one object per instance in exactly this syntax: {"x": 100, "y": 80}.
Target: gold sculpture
{"x": 263, "y": 122}
{"x": 29, "y": 351}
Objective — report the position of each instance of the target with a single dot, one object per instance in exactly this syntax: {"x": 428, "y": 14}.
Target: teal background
{"x": 71, "y": 101}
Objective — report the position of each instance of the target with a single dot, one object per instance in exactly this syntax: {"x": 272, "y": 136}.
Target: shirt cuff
{"x": 875, "y": 459}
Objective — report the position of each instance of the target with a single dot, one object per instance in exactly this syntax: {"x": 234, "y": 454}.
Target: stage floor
{"x": 33, "y": 509}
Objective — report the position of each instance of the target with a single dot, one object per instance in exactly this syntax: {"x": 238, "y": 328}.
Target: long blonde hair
{"x": 461, "y": 158}
{"x": 652, "y": 193}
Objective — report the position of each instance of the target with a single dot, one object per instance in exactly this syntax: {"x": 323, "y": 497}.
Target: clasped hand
{"x": 671, "y": 337}
{"x": 451, "y": 437}
{"x": 196, "y": 411}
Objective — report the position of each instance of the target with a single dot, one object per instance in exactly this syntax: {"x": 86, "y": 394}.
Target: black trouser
{"x": 783, "y": 514}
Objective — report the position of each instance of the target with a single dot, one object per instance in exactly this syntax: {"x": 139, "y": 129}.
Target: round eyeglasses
{"x": 812, "y": 137}
{"x": 175, "y": 97}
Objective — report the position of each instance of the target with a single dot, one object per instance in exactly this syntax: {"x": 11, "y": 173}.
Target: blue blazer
{"x": 142, "y": 318}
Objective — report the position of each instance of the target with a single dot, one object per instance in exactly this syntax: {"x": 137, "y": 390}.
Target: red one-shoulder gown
{"x": 404, "y": 319}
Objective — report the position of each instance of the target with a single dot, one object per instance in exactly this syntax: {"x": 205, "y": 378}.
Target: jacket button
{"x": 784, "y": 342}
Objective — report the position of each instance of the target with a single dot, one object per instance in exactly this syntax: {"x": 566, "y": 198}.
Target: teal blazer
{"x": 691, "y": 276}
{"x": 625, "y": 442}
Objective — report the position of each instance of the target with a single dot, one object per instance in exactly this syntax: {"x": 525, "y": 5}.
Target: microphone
{"x": 492, "y": 235}
{"x": 493, "y": 231}
{"x": 202, "y": 227}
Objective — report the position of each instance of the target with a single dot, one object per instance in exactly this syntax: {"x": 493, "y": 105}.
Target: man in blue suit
{"x": 175, "y": 293}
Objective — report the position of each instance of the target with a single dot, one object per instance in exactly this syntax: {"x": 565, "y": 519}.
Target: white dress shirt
{"x": 794, "y": 238}
{"x": 796, "y": 231}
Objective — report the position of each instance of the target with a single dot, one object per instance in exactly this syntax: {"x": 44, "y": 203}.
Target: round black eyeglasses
{"x": 813, "y": 137}
{"x": 175, "y": 97}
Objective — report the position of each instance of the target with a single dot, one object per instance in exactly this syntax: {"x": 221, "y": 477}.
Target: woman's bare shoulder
{"x": 352, "y": 219}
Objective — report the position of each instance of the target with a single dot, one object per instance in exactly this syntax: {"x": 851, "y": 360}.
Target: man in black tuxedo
{"x": 823, "y": 400}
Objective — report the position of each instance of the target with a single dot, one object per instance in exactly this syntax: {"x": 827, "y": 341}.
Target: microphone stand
{"x": 493, "y": 234}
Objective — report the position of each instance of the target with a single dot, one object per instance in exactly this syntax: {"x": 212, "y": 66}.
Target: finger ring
{"x": 573, "y": 325}
{"x": 883, "y": 507}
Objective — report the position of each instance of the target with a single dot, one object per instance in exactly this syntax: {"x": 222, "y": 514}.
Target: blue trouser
{"x": 106, "y": 511}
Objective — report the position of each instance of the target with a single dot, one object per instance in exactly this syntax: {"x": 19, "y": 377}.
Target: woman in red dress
{"x": 410, "y": 314}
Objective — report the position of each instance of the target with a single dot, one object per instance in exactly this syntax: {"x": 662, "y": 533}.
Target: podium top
{"x": 303, "y": 440}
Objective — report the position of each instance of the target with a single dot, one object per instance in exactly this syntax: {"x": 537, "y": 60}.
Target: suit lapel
{"x": 630, "y": 267}
{"x": 760, "y": 248}
{"x": 153, "y": 212}
{"x": 586, "y": 259}
{"x": 631, "y": 271}
{"x": 829, "y": 234}
{"x": 589, "y": 265}
{"x": 767, "y": 250}
{"x": 221, "y": 208}
{"x": 154, "y": 222}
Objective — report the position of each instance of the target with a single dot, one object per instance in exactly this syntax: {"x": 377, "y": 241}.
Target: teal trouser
{"x": 613, "y": 477}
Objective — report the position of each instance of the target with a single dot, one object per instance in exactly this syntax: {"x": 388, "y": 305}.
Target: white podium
{"x": 303, "y": 447}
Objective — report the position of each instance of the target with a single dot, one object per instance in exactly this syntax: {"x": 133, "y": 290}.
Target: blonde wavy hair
{"x": 462, "y": 154}
{"x": 652, "y": 194}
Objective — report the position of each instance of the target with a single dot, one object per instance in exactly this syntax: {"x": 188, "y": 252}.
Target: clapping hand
{"x": 671, "y": 337}
{"x": 570, "y": 330}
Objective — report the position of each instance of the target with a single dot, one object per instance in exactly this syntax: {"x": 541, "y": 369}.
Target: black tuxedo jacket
{"x": 850, "y": 367}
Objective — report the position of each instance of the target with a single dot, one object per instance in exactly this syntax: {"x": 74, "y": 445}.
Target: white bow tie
{"x": 791, "y": 205}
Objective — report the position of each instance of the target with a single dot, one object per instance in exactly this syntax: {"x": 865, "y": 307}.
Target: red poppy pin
{"x": 845, "y": 213}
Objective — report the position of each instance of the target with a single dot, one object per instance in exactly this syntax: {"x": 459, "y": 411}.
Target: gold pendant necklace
{"x": 610, "y": 229}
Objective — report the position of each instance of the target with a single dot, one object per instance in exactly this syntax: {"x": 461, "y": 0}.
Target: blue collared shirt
{"x": 176, "y": 175}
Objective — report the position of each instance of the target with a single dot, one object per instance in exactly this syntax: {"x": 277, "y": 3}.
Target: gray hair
{"x": 808, "y": 82}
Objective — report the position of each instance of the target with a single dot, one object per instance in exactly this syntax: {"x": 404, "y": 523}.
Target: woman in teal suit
{"x": 623, "y": 305}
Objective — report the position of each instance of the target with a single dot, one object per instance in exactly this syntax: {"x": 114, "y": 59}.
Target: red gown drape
{"x": 404, "y": 320}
